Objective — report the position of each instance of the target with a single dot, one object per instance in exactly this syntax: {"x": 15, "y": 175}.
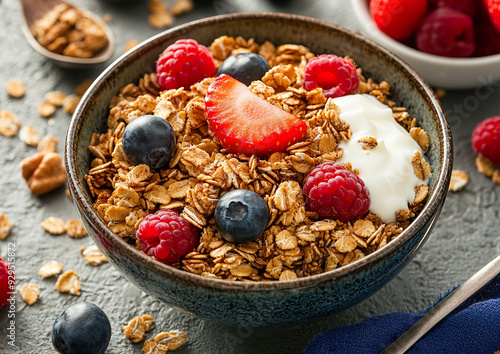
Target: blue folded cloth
{"x": 474, "y": 327}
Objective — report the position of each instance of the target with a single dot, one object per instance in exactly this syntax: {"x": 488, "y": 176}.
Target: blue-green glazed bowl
{"x": 264, "y": 303}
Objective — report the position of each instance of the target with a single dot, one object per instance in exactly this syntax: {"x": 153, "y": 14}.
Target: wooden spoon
{"x": 36, "y": 9}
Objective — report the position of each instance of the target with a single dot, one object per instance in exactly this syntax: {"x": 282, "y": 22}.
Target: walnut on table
{"x": 43, "y": 172}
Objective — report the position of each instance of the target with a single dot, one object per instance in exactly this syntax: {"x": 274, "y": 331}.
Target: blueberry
{"x": 82, "y": 329}
{"x": 241, "y": 216}
{"x": 149, "y": 140}
{"x": 245, "y": 67}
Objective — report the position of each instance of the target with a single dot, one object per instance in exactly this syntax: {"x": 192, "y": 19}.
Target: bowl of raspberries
{"x": 259, "y": 169}
{"x": 453, "y": 44}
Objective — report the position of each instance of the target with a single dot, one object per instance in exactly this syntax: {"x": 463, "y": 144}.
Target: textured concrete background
{"x": 465, "y": 238}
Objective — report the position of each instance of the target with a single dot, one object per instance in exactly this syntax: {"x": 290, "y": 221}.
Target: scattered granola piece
{"x": 55, "y": 98}
{"x": 160, "y": 20}
{"x": 107, "y": 18}
{"x": 68, "y": 282}
{"x": 9, "y": 124}
{"x": 15, "y": 88}
{"x": 29, "y": 293}
{"x": 440, "y": 93}
{"x": 368, "y": 143}
{"x": 363, "y": 228}
{"x": 496, "y": 176}
{"x": 75, "y": 228}
{"x": 458, "y": 180}
{"x": 93, "y": 255}
{"x": 157, "y": 6}
{"x": 83, "y": 86}
{"x": 70, "y": 103}
{"x": 485, "y": 166}
{"x": 29, "y": 135}
{"x": 43, "y": 172}
{"x": 48, "y": 144}
{"x": 5, "y": 226}
{"x": 50, "y": 269}
{"x": 54, "y": 226}
{"x": 181, "y": 7}
{"x": 131, "y": 44}
{"x": 137, "y": 327}
{"x": 46, "y": 109}
{"x": 68, "y": 194}
{"x": 163, "y": 342}
{"x": 287, "y": 275}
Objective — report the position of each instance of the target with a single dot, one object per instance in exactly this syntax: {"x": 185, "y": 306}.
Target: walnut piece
{"x": 43, "y": 172}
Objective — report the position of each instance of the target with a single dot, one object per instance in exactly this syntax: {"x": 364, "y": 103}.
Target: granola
{"x": 29, "y": 293}
{"x": 458, "y": 181}
{"x": 68, "y": 282}
{"x": 5, "y": 226}
{"x": 9, "y": 124}
{"x": 136, "y": 328}
{"x": 92, "y": 255}
{"x": 164, "y": 342}
{"x": 50, "y": 269}
{"x": 297, "y": 242}
{"x": 54, "y": 226}
{"x": 15, "y": 88}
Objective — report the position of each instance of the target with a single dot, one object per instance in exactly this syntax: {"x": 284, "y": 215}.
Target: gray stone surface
{"x": 464, "y": 239}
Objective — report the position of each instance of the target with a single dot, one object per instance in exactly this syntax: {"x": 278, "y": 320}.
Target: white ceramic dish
{"x": 439, "y": 72}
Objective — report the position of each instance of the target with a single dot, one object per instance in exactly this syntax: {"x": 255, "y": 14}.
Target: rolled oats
{"x": 130, "y": 44}
{"x": 9, "y": 124}
{"x": 5, "y": 226}
{"x": 485, "y": 166}
{"x": 29, "y": 135}
{"x": 137, "y": 327}
{"x": 54, "y": 226}
{"x": 181, "y": 7}
{"x": 48, "y": 144}
{"x": 163, "y": 342}
{"x": 50, "y": 269}
{"x": 70, "y": 103}
{"x": 68, "y": 282}
{"x": 93, "y": 255}
{"x": 75, "y": 228}
{"x": 15, "y": 88}
{"x": 297, "y": 242}
{"x": 55, "y": 98}
{"x": 46, "y": 109}
{"x": 29, "y": 293}
{"x": 458, "y": 180}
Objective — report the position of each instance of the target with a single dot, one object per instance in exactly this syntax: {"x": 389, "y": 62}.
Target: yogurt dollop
{"x": 386, "y": 170}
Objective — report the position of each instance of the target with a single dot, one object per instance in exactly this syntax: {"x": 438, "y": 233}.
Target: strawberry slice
{"x": 493, "y": 7}
{"x": 246, "y": 124}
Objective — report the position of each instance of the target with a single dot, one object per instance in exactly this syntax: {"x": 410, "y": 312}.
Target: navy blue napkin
{"x": 472, "y": 328}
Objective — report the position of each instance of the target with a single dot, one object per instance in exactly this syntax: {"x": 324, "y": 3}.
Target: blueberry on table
{"x": 241, "y": 216}
{"x": 149, "y": 140}
{"x": 82, "y": 329}
{"x": 245, "y": 67}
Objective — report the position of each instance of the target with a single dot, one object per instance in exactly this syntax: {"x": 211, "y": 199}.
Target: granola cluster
{"x": 296, "y": 243}
{"x": 68, "y": 31}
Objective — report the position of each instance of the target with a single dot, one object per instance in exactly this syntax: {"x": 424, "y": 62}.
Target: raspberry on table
{"x": 167, "y": 236}
{"x": 4, "y": 282}
{"x": 334, "y": 192}
{"x": 486, "y": 139}
{"x": 183, "y": 64}
{"x": 335, "y": 75}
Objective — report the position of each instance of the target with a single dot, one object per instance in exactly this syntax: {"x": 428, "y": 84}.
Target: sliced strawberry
{"x": 493, "y": 7}
{"x": 244, "y": 123}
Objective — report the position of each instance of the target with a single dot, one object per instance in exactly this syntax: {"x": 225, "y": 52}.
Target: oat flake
{"x": 50, "y": 269}
{"x": 5, "y": 226}
{"x": 68, "y": 282}
{"x": 54, "y": 226}
{"x": 29, "y": 293}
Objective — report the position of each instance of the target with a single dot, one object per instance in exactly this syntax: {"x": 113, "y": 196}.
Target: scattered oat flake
{"x": 15, "y": 88}
{"x": 160, "y": 20}
{"x": 440, "y": 93}
{"x": 5, "y": 226}
{"x": 107, "y": 18}
{"x": 181, "y": 7}
{"x": 458, "y": 180}
{"x": 55, "y": 97}
{"x": 75, "y": 228}
{"x": 70, "y": 103}
{"x": 50, "y": 269}
{"x": 48, "y": 144}
{"x": 287, "y": 275}
{"x": 54, "y": 226}
{"x": 485, "y": 166}
{"x": 68, "y": 282}
{"x": 93, "y": 255}
{"x": 157, "y": 6}
{"x": 83, "y": 86}
{"x": 46, "y": 109}
{"x": 137, "y": 327}
{"x": 163, "y": 342}
{"x": 29, "y": 293}
{"x": 131, "y": 44}
{"x": 9, "y": 124}
{"x": 29, "y": 135}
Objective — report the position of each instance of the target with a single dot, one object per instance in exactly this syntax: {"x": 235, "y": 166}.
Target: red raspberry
{"x": 464, "y": 6}
{"x": 486, "y": 139}
{"x": 167, "y": 236}
{"x": 493, "y": 7}
{"x": 446, "y": 32}
{"x": 183, "y": 64}
{"x": 5, "y": 287}
{"x": 398, "y": 18}
{"x": 334, "y": 192}
{"x": 336, "y": 76}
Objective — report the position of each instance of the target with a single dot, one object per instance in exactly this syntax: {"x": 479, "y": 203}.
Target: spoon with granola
{"x": 68, "y": 35}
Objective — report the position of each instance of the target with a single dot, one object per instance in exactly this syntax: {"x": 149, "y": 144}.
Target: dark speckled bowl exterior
{"x": 265, "y": 303}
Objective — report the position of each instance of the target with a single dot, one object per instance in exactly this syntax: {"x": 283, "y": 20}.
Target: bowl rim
{"x": 365, "y": 20}
{"x": 432, "y": 205}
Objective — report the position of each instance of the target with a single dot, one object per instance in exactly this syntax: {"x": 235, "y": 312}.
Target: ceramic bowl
{"x": 263, "y": 303}
{"x": 438, "y": 71}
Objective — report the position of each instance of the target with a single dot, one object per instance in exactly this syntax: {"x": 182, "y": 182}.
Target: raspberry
{"x": 398, "y": 18}
{"x": 486, "y": 139}
{"x": 456, "y": 33}
{"x": 336, "y": 76}
{"x": 5, "y": 271}
{"x": 468, "y": 7}
{"x": 334, "y": 192}
{"x": 183, "y": 64}
{"x": 167, "y": 236}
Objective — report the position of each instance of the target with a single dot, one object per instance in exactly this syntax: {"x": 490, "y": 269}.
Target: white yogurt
{"x": 386, "y": 169}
